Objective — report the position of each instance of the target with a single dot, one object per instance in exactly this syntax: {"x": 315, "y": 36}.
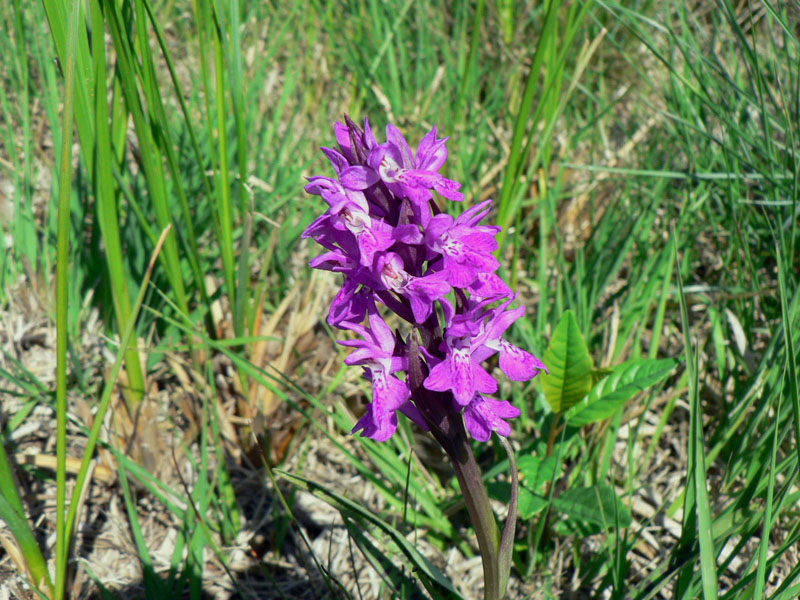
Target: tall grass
{"x": 644, "y": 161}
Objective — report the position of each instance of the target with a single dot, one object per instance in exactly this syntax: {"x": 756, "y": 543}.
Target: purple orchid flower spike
{"x": 395, "y": 250}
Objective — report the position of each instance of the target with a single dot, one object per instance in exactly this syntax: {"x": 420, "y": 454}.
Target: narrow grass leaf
{"x": 349, "y": 509}
{"x": 21, "y": 530}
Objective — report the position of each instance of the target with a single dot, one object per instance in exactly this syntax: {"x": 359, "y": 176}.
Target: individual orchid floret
{"x": 350, "y": 304}
{"x": 466, "y": 247}
{"x": 415, "y": 184}
{"x": 516, "y": 363}
{"x": 431, "y": 152}
{"x": 484, "y": 415}
{"x": 349, "y": 211}
{"x": 460, "y": 372}
{"x": 421, "y": 292}
{"x": 375, "y": 352}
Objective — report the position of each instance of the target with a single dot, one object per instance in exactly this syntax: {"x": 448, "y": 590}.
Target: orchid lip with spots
{"x": 398, "y": 253}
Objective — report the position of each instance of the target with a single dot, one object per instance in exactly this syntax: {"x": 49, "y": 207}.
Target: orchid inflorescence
{"x": 385, "y": 233}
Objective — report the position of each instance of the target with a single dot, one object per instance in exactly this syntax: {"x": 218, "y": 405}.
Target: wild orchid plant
{"x": 385, "y": 233}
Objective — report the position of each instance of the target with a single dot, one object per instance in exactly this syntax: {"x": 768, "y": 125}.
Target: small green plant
{"x": 579, "y": 395}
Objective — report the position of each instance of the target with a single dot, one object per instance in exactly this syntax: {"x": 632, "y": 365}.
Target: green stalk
{"x": 107, "y": 209}
{"x": 504, "y": 218}
{"x": 472, "y": 61}
{"x": 105, "y": 398}
{"x": 8, "y": 483}
{"x": 91, "y": 110}
{"x": 62, "y": 295}
{"x": 151, "y": 152}
{"x": 470, "y": 480}
{"x": 224, "y": 187}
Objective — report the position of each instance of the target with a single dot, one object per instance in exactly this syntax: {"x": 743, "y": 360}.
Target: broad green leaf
{"x": 529, "y": 503}
{"x": 599, "y": 373}
{"x": 597, "y": 504}
{"x": 614, "y": 390}
{"x": 570, "y": 365}
{"x": 535, "y": 472}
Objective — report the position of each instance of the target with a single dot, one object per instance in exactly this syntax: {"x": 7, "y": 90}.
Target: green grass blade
{"x": 23, "y": 534}
{"x": 697, "y": 464}
{"x": 62, "y": 295}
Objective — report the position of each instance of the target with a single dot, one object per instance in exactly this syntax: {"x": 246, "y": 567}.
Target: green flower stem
{"x": 506, "y": 549}
{"x": 480, "y": 511}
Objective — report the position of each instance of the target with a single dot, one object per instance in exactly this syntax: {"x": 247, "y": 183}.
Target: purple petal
{"x": 407, "y": 234}
{"x": 472, "y": 216}
{"x": 518, "y": 364}
{"x": 337, "y": 159}
{"x": 343, "y": 139}
{"x": 463, "y": 376}
{"x": 502, "y": 320}
{"x": 433, "y": 285}
{"x": 460, "y": 275}
{"x": 318, "y": 226}
{"x": 431, "y": 153}
{"x": 375, "y": 239}
{"x": 421, "y": 307}
{"x": 348, "y": 306}
{"x": 437, "y": 226}
{"x": 484, "y": 415}
{"x": 321, "y": 186}
{"x": 388, "y": 395}
{"x": 484, "y": 382}
{"x": 448, "y": 311}
{"x": 449, "y": 189}
{"x": 388, "y": 392}
{"x": 419, "y": 198}
{"x": 439, "y": 380}
{"x": 329, "y": 261}
{"x": 381, "y": 332}
{"x": 394, "y": 137}
{"x": 420, "y": 179}
{"x": 358, "y": 177}
{"x": 489, "y": 285}
{"x": 412, "y": 412}
{"x": 482, "y": 262}
{"x": 479, "y": 242}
